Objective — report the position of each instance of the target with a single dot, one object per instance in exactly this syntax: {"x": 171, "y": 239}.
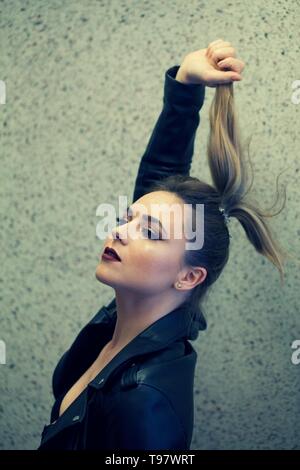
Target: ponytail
{"x": 229, "y": 196}
{"x": 230, "y": 178}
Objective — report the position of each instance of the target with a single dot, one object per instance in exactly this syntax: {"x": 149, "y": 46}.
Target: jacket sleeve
{"x": 144, "y": 419}
{"x": 171, "y": 145}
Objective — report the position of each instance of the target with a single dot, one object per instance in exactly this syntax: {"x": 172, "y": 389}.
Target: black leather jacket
{"x": 143, "y": 398}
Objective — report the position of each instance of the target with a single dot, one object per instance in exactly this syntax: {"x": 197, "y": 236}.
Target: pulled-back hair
{"x": 230, "y": 191}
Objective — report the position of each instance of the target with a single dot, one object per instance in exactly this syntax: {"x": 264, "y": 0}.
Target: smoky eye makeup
{"x": 152, "y": 234}
{"x": 151, "y": 219}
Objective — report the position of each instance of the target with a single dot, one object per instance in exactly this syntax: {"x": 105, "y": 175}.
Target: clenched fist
{"x": 215, "y": 65}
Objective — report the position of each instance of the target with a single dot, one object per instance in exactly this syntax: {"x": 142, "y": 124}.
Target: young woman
{"x": 127, "y": 380}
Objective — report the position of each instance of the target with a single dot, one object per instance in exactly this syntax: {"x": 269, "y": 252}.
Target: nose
{"x": 118, "y": 235}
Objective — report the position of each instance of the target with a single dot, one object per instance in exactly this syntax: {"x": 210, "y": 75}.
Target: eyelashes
{"x": 148, "y": 231}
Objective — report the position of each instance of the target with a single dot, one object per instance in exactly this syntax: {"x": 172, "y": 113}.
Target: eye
{"x": 148, "y": 232}
{"x": 119, "y": 219}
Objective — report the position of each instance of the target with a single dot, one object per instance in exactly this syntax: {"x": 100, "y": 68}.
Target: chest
{"x": 79, "y": 386}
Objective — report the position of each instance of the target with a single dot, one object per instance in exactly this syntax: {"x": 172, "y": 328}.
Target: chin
{"x": 102, "y": 279}
{"x": 100, "y": 275}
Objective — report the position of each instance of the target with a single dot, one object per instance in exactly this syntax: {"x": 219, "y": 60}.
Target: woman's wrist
{"x": 182, "y": 76}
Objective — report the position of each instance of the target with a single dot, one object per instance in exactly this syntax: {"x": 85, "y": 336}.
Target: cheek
{"x": 159, "y": 263}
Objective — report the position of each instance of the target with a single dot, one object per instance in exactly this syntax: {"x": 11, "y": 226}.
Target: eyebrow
{"x": 152, "y": 219}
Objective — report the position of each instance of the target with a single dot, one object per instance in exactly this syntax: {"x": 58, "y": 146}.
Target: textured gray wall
{"x": 84, "y": 89}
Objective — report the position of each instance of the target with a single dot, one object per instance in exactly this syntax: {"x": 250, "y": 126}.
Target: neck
{"x": 135, "y": 313}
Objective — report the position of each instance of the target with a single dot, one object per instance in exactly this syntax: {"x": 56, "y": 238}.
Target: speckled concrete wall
{"x": 84, "y": 84}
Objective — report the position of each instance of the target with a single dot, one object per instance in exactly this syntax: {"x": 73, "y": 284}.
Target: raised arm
{"x": 170, "y": 148}
{"x": 171, "y": 145}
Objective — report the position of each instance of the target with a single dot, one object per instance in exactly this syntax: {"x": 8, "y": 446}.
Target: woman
{"x": 127, "y": 380}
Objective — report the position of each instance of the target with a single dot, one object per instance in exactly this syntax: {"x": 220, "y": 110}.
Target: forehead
{"x": 168, "y": 208}
{"x": 163, "y": 198}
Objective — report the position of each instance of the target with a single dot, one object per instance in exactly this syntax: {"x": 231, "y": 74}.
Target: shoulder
{"x": 171, "y": 370}
{"x": 144, "y": 418}
{"x": 156, "y": 394}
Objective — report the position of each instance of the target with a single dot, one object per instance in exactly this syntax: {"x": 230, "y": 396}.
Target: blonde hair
{"x": 229, "y": 190}
{"x": 229, "y": 174}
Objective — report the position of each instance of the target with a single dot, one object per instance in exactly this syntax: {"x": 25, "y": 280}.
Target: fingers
{"x": 213, "y": 46}
{"x": 232, "y": 63}
{"x": 219, "y": 50}
{"x": 228, "y": 67}
{"x": 217, "y": 77}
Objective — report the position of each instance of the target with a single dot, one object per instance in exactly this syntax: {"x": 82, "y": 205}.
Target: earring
{"x": 178, "y": 284}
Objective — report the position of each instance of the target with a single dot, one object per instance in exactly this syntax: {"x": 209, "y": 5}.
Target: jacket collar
{"x": 159, "y": 335}
{"x": 171, "y": 327}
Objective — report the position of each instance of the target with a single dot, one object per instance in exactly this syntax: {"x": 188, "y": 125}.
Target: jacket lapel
{"x": 157, "y": 336}
{"x": 98, "y": 332}
{"x": 93, "y": 337}
{"x": 73, "y": 415}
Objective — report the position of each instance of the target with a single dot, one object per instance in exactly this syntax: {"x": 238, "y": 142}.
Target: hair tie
{"x": 225, "y": 215}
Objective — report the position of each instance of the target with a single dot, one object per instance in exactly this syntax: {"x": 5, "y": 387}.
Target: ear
{"x": 191, "y": 277}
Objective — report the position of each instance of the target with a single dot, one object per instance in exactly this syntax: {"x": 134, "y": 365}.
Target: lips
{"x": 112, "y": 252}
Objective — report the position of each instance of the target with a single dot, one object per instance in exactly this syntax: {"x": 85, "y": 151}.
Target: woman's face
{"x": 147, "y": 265}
